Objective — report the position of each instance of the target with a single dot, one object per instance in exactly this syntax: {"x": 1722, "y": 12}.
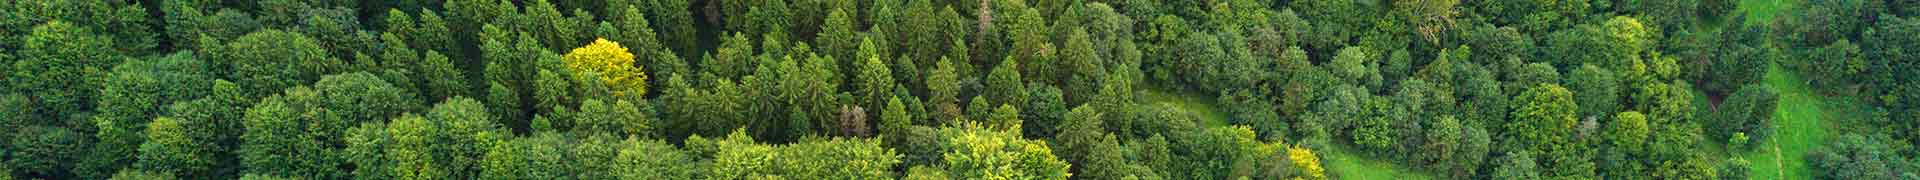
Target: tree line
{"x": 925, "y": 89}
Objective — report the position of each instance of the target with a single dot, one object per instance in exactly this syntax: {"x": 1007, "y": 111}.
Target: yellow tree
{"x": 612, "y": 63}
{"x": 1307, "y": 162}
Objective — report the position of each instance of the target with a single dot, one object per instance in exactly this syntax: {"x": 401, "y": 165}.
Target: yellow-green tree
{"x": 1308, "y": 163}
{"x": 613, "y": 64}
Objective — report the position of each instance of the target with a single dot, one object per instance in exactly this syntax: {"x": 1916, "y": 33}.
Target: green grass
{"x": 1798, "y": 126}
{"x": 1199, "y": 104}
{"x": 1342, "y": 164}
{"x": 1762, "y": 11}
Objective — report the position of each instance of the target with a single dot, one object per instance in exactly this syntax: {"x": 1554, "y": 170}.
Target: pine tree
{"x": 943, "y": 90}
{"x": 677, "y": 22}
{"x": 637, "y": 33}
{"x": 837, "y": 36}
{"x": 875, "y": 81}
{"x": 1005, "y": 83}
{"x": 1083, "y": 71}
{"x": 442, "y": 79}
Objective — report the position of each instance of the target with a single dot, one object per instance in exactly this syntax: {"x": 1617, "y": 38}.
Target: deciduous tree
{"x": 613, "y": 64}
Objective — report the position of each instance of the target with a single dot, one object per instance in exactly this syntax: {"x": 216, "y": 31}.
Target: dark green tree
{"x": 1596, "y": 90}
{"x": 268, "y": 61}
{"x": 1044, "y": 111}
{"x": 943, "y": 90}
{"x": 1545, "y": 122}
{"x": 652, "y": 159}
{"x": 1748, "y": 111}
{"x": 1517, "y": 165}
{"x": 1741, "y": 61}
{"x": 1083, "y": 71}
{"x": 539, "y": 156}
{"x": 45, "y": 151}
{"x": 875, "y": 82}
{"x": 442, "y": 80}
{"x": 56, "y": 62}
{"x": 130, "y": 174}
{"x": 1005, "y": 83}
{"x": 294, "y": 133}
{"x": 837, "y": 37}
{"x": 136, "y": 92}
{"x": 172, "y": 149}
{"x": 366, "y": 147}
{"x": 1084, "y": 141}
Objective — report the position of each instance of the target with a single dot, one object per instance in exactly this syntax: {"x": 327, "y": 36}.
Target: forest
{"x": 960, "y": 89}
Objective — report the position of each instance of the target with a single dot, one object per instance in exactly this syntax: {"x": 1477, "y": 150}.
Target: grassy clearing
{"x": 1798, "y": 129}
{"x": 1762, "y": 11}
{"x": 1199, "y": 104}
{"x": 1345, "y": 165}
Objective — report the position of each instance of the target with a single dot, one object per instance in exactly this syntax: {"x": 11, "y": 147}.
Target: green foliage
{"x": 1748, "y": 111}
{"x": 837, "y": 36}
{"x": 1252, "y": 110}
{"x": 170, "y": 148}
{"x": 366, "y": 146}
{"x": 1821, "y": 22}
{"x": 796, "y": 89}
{"x": 709, "y": 110}
{"x": 133, "y": 94}
{"x": 1738, "y": 140}
{"x": 1356, "y": 65}
{"x": 1544, "y": 122}
{"x": 1857, "y": 157}
{"x": 58, "y": 63}
{"x": 975, "y": 153}
{"x": 620, "y": 117}
{"x": 1517, "y": 165}
{"x": 1735, "y": 168}
{"x": 292, "y": 133}
{"x": 141, "y": 175}
{"x": 539, "y": 156}
{"x": 1219, "y": 153}
{"x": 739, "y": 157}
{"x": 408, "y": 153}
{"x": 124, "y": 23}
{"x": 943, "y": 91}
{"x": 442, "y": 79}
{"x": 652, "y": 159}
{"x": 637, "y": 32}
{"x": 1083, "y": 140}
{"x": 267, "y": 61}
{"x": 1889, "y": 54}
{"x": 925, "y": 173}
{"x": 1082, "y": 65}
{"x": 1742, "y": 60}
{"x": 1596, "y": 90}
{"x": 1625, "y": 137}
{"x": 874, "y": 82}
{"x": 1835, "y": 65}
{"x": 45, "y": 151}
{"x": 1004, "y": 83}
{"x": 1044, "y": 112}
